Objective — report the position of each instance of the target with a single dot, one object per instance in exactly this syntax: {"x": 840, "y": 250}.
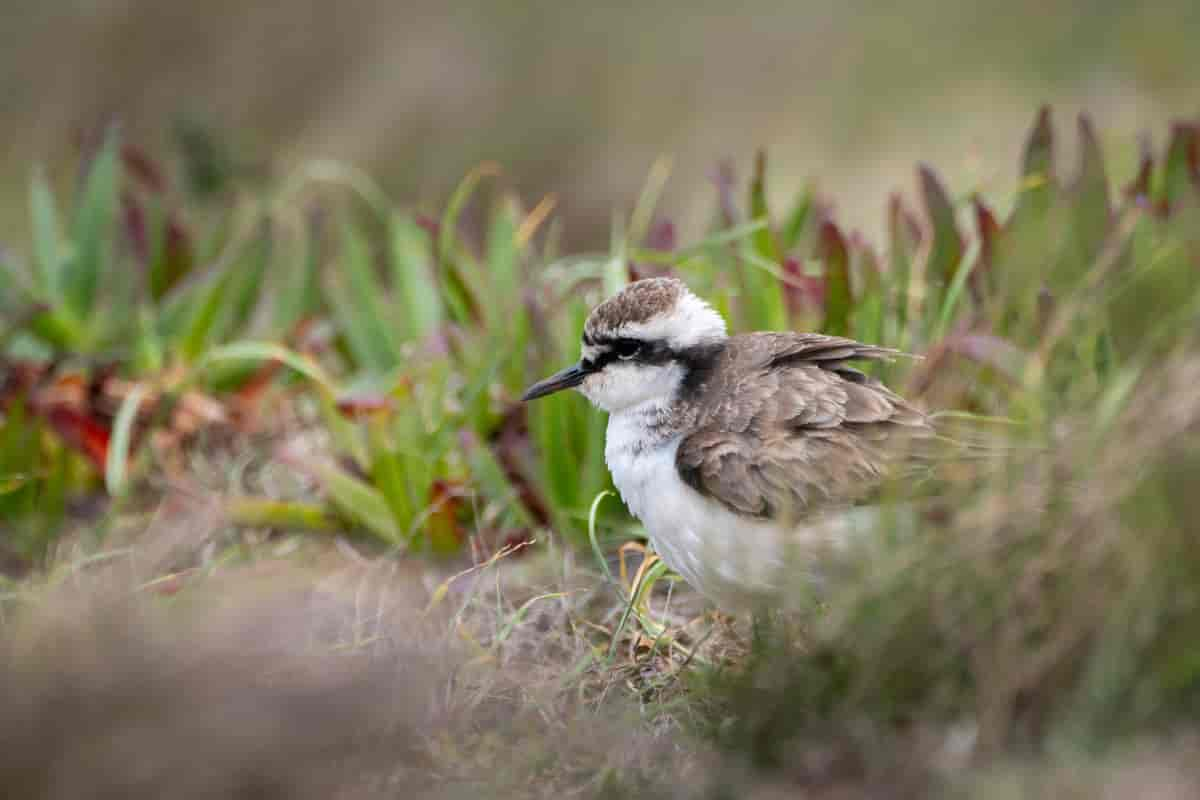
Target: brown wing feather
{"x": 789, "y": 424}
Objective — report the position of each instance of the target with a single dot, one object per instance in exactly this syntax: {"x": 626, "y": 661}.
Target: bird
{"x": 740, "y": 454}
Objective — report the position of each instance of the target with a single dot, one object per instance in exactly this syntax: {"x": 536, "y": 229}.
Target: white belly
{"x": 732, "y": 560}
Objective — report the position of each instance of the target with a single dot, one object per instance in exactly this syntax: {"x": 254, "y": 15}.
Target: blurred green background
{"x": 580, "y": 98}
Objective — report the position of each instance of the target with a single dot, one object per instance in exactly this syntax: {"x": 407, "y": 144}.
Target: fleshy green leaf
{"x": 92, "y": 230}
{"x": 1034, "y": 195}
{"x": 362, "y": 314}
{"x": 835, "y": 258}
{"x": 1178, "y": 175}
{"x": 947, "y": 250}
{"x": 47, "y": 239}
{"x": 360, "y": 502}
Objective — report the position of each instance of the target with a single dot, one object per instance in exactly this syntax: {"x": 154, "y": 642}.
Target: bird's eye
{"x": 627, "y": 348}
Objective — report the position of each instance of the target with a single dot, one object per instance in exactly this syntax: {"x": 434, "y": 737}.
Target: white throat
{"x": 640, "y": 390}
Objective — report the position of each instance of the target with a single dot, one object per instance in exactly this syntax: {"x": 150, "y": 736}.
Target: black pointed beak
{"x": 564, "y": 379}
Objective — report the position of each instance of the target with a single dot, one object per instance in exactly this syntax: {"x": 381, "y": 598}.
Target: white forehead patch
{"x": 691, "y": 321}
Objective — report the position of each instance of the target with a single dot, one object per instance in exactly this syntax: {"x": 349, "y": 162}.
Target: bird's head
{"x": 639, "y": 345}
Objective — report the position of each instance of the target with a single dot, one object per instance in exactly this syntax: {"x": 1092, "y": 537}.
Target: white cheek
{"x": 622, "y": 385}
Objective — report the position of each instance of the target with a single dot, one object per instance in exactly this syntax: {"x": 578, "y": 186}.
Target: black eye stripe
{"x": 636, "y": 350}
{"x": 627, "y": 348}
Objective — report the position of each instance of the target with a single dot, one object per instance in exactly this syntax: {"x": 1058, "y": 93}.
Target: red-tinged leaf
{"x": 1045, "y": 309}
{"x": 724, "y": 177}
{"x": 444, "y": 527}
{"x": 867, "y": 266}
{"x": 361, "y": 406}
{"x": 1092, "y": 181}
{"x": 988, "y": 230}
{"x": 82, "y": 432}
{"x": 1138, "y": 189}
{"x": 639, "y": 272}
{"x": 69, "y": 388}
{"x": 798, "y": 223}
{"x": 1091, "y": 209}
{"x": 1179, "y": 171}
{"x": 1037, "y": 172}
{"x": 1038, "y": 156}
{"x": 903, "y": 226}
{"x": 946, "y": 254}
{"x": 661, "y": 236}
{"x": 169, "y": 585}
{"x": 430, "y": 225}
{"x": 99, "y": 381}
{"x": 985, "y": 349}
{"x": 251, "y": 391}
{"x": 1193, "y": 154}
{"x": 804, "y": 294}
{"x": 176, "y": 259}
{"x": 18, "y": 379}
{"x": 511, "y": 439}
{"x": 835, "y": 257}
{"x": 990, "y": 350}
{"x": 142, "y": 168}
{"x": 313, "y": 335}
{"x": 133, "y": 219}
{"x": 904, "y": 240}
{"x": 763, "y": 240}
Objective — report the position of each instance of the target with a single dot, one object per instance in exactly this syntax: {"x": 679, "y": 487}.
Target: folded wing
{"x": 789, "y": 424}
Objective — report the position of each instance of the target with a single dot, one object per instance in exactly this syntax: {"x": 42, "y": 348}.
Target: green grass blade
{"x": 389, "y": 474}
{"x": 504, "y": 254}
{"x": 736, "y": 234}
{"x": 518, "y": 615}
{"x": 420, "y": 303}
{"x": 148, "y": 354}
{"x": 797, "y": 221}
{"x": 360, "y": 502}
{"x": 298, "y": 292}
{"x": 594, "y": 540}
{"x": 647, "y": 202}
{"x": 365, "y": 293}
{"x": 119, "y": 448}
{"x": 648, "y": 579}
{"x": 489, "y": 476}
{"x": 247, "y": 285}
{"x": 762, "y": 305}
{"x": 954, "y": 292}
{"x": 460, "y": 282}
{"x": 47, "y": 238}
{"x": 364, "y": 352}
{"x": 269, "y": 351}
{"x": 763, "y": 240}
{"x": 92, "y": 230}
{"x": 202, "y": 325}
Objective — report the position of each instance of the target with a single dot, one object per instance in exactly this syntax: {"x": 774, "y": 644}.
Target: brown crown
{"x": 640, "y": 301}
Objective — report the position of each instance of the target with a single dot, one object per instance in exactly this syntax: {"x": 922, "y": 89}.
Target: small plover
{"x": 734, "y": 451}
